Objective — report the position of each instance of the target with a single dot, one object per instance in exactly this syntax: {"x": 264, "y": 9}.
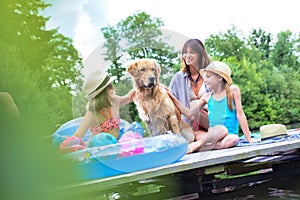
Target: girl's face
{"x": 191, "y": 57}
{"x": 212, "y": 80}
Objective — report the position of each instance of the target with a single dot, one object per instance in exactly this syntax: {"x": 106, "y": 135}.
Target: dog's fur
{"x": 154, "y": 105}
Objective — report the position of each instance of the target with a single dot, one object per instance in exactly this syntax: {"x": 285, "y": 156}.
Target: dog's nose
{"x": 151, "y": 79}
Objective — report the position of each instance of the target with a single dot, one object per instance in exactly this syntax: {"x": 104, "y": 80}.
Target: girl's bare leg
{"x": 194, "y": 146}
{"x": 200, "y": 134}
{"x": 228, "y": 141}
{"x": 213, "y": 139}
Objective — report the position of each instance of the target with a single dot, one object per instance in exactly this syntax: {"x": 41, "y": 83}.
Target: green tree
{"x": 23, "y": 26}
{"x": 260, "y": 45}
{"x": 226, "y": 45}
{"x": 141, "y": 37}
{"x": 113, "y": 50}
{"x": 145, "y": 39}
{"x": 285, "y": 51}
{"x": 35, "y": 57}
{"x": 63, "y": 64}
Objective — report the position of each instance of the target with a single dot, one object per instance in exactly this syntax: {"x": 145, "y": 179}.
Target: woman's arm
{"x": 240, "y": 113}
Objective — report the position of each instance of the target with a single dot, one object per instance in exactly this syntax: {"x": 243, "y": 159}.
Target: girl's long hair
{"x": 228, "y": 95}
{"x": 101, "y": 100}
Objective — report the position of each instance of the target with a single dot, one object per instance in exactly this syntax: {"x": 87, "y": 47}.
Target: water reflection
{"x": 287, "y": 188}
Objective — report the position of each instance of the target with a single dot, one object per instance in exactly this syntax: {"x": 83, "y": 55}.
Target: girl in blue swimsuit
{"x": 225, "y": 111}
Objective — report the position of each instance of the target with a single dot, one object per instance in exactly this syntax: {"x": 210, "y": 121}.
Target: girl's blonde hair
{"x": 102, "y": 100}
{"x": 228, "y": 95}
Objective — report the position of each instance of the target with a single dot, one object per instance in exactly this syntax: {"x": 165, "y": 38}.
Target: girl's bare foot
{"x": 194, "y": 146}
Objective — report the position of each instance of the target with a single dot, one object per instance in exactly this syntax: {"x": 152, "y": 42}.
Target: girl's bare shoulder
{"x": 234, "y": 88}
{"x": 206, "y": 96}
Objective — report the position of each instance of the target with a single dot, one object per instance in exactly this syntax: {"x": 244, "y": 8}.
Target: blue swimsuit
{"x": 220, "y": 114}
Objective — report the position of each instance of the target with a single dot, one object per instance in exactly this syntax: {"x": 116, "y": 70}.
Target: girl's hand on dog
{"x": 171, "y": 94}
{"x": 132, "y": 95}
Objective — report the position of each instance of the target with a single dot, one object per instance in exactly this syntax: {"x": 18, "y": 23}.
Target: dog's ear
{"x": 133, "y": 69}
{"x": 157, "y": 70}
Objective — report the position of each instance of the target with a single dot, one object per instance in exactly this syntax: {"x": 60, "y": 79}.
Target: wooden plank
{"x": 241, "y": 168}
{"x": 213, "y": 169}
{"x": 261, "y": 162}
{"x": 280, "y": 170}
{"x": 188, "y": 162}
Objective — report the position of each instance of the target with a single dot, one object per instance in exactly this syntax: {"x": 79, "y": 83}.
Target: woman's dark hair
{"x": 197, "y": 46}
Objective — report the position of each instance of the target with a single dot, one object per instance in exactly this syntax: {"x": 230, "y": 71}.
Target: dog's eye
{"x": 143, "y": 69}
{"x": 153, "y": 69}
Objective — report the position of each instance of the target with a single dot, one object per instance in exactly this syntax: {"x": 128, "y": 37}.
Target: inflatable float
{"x": 123, "y": 157}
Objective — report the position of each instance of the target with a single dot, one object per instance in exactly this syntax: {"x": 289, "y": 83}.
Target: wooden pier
{"x": 200, "y": 173}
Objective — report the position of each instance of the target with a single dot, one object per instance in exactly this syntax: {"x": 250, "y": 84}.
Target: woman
{"x": 187, "y": 84}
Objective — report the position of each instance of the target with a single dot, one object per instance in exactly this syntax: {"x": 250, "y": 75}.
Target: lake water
{"x": 286, "y": 188}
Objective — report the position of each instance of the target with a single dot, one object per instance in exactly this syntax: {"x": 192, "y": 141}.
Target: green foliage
{"x": 225, "y": 45}
{"x": 285, "y": 51}
{"x": 113, "y": 50}
{"x": 39, "y": 69}
{"x": 260, "y": 43}
{"x": 33, "y": 57}
{"x": 137, "y": 36}
{"x": 29, "y": 163}
{"x": 63, "y": 64}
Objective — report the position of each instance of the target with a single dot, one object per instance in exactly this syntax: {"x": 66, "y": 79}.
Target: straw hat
{"x": 219, "y": 68}
{"x": 93, "y": 81}
{"x": 272, "y": 130}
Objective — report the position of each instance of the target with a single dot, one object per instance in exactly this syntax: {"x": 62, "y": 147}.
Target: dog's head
{"x": 145, "y": 73}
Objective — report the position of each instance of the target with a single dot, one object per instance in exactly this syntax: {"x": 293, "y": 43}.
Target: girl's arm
{"x": 85, "y": 124}
{"x": 127, "y": 98}
{"x": 240, "y": 113}
{"x": 185, "y": 111}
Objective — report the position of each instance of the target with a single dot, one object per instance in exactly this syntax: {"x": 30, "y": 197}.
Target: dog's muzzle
{"x": 151, "y": 83}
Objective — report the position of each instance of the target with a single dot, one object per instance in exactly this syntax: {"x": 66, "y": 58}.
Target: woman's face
{"x": 212, "y": 80}
{"x": 191, "y": 57}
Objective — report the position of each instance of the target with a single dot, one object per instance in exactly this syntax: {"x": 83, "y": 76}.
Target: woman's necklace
{"x": 195, "y": 81}
{"x": 196, "y": 85}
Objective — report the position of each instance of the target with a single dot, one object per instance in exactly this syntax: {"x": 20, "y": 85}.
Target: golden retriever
{"x": 154, "y": 105}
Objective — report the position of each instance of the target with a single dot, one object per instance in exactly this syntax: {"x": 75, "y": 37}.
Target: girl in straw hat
{"x": 225, "y": 111}
{"x": 102, "y": 114}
